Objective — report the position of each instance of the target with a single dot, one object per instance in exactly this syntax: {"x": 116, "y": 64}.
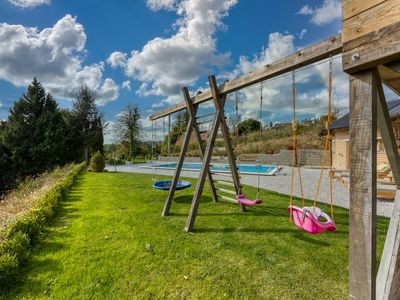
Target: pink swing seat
{"x": 308, "y": 219}
{"x": 243, "y": 200}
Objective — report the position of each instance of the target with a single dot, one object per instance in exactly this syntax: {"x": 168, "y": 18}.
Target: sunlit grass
{"x": 109, "y": 241}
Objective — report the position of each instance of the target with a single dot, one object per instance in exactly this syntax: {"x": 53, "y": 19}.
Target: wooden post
{"x": 219, "y": 102}
{"x": 388, "y": 278}
{"x": 227, "y": 140}
{"x": 192, "y": 113}
{"x": 362, "y": 232}
{"x": 179, "y": 165}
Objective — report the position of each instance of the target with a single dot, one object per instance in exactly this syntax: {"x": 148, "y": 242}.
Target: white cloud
{"x": 117, "y": 59}
{"x": 329, "y": 11}
{"x": 161, "y": 4}
{"x": 29, "y": 3}
{"x": 302, "y": 33}
{"x": 164, "y": 65}
{"x": 1, "y": 104}
{"x": 311, "y": 83}
{"x": 53, "y": 55}
{"x": 126, "y": 85}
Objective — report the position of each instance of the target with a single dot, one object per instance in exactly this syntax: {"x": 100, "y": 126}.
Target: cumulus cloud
{"x": 161, "y": 4}
{"x": 117, "y": 59}
{"x": 29, "y": 3}
{"x": 126, "y": 85}
{"x": 53, "y": 55}
{"x": 164, "y": 65}
{"x": 302, "y": 33}
{"x": 329, "y": 11}
{"x": 311, "y": 85}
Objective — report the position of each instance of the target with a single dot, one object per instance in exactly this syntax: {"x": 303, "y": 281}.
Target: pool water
{"x": 244, "y": 169}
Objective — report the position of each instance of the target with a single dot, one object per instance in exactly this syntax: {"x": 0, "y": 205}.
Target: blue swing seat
{"x": 166, "y": 184}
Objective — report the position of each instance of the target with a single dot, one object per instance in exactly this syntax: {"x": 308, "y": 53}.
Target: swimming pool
{"x": 223, "y": 168}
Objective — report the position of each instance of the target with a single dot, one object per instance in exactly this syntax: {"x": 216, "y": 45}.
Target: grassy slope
{"x": 109, "y": 241}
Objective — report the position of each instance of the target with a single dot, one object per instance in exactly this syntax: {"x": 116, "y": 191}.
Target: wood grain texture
{"x": 306, "y": 56}
{"x": 351, "y": 8}
{"x": 375, "y": 18}
{"x": 390, "y": 77}
{"x": 362, "y": 231}
{"x": 375, "y": 48}
{"x": 388, "y": 284}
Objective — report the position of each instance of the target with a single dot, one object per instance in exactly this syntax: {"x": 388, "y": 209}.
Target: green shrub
{"x": 22, "y": 234}
{"x": 97, "y": 163}
{"x": 17, "y": 246}
{"x": 8, "y": 268}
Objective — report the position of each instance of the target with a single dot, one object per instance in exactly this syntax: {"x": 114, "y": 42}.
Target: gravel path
{"x": 280, "y": 183}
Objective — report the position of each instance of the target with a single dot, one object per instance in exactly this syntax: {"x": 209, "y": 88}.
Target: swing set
{"x": 309, "y": 219}
{"x": 369, "y": 44}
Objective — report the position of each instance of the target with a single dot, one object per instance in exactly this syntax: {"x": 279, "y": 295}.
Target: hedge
{"x": 24, "y": 232}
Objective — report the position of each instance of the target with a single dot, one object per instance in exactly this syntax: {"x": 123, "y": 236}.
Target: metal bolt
{"x": 355, "y": 57}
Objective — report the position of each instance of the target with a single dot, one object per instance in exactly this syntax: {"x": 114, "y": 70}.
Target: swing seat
{"x": 243, "y": 200}
{"x": 165, "y": 185}
{"x": 306, "y": 220}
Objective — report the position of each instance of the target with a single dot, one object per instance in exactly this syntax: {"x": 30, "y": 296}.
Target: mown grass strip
{"x": 23, "y": 232}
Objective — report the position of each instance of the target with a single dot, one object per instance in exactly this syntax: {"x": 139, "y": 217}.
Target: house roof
{"x": 343, "y": 122}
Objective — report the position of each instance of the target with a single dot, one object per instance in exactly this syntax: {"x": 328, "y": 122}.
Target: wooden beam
{"x": 388, "y": 278}
{"x": 179, "y": 165}
{"x": 390, "y": 76}
{"x": 370, "y": 50}
{"x": 386, "y": 129}
{"x": 379, "y": 15}
{"x": 351, "y": 8}
{"x": 192, "y": 113}
{"x": 227, "y": 141}
{"x": 204, "y": 169}
{"x": 322, "y": 50}
{"x": 362, "y": 232}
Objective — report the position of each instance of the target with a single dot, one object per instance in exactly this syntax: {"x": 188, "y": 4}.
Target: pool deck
{"x": 280, "y": 183}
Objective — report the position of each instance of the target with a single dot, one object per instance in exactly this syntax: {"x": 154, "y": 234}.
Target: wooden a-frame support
{"x": 219, "y": 120}
{"x": 192, "y": 125}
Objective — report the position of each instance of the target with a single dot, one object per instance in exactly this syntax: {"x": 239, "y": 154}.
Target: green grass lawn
{"x": 109, "y": 241}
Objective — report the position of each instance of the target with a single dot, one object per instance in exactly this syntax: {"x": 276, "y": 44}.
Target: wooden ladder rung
{"x": 229, "y": 199}
{"x": 225, "y": 191}
{"x": 205, "y": 115}
{"x": 205, "y": 122}
{"x": 219, "y": 148}
{"x": 223, "y": 182}
{"x": 219, "y": 139}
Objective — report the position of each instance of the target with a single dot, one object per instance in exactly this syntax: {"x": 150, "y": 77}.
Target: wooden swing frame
{"x": 370, "y": 48}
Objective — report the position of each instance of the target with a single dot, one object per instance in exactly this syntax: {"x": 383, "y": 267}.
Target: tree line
{"x": 38, "y": 135}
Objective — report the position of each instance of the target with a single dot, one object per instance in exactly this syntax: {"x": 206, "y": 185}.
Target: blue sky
{"x": 144, "y": 51}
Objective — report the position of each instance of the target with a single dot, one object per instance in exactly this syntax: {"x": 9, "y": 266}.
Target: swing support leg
{"x": 192, "y": 110}
{"x": 219, "y": 102}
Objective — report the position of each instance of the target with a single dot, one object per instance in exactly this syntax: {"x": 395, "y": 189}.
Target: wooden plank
{"x": 387, "y": 134}
{"x": 388, "y": 277}
{"x": 192, "y": 113}
{"x": 205, "y": 166}
{"x": 350, "y": 8}
{"x": 322, "y": 50}
{"x": 375, "y": 18}
{"x": 226, "y": 191}
{"x": 362, "y": 231}
{"x": 390, "y": 77}
{"x": 227, "y": 141}
{"x": 179, "y": 164}
{"x": 229, "y": 199}
{"x": 373, "y": 49}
